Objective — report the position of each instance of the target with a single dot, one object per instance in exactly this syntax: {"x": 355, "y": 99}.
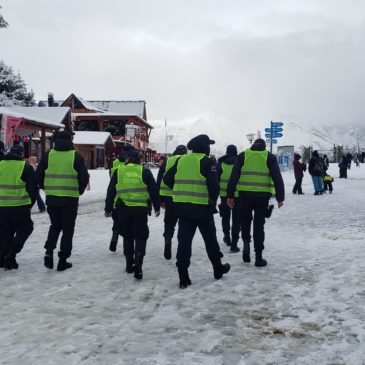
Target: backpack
{"x": 318, "y": 167}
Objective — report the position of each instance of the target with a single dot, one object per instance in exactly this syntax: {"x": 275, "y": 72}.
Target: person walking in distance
{"x": 256, "y": 176}
{"x": 18, "y": 193}
{"x": 299, "y": 169}
{"x": 315, "y": 169}
{"x": 225, "y": 167}
{"x": 129, "y": 191}
{"x": 166, "y": 199}
{"x": 195, "y": 190}
{"x": 63, "y": 176}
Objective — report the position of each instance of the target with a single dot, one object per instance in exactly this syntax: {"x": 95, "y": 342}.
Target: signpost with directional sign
{"x": 275, "y": 131}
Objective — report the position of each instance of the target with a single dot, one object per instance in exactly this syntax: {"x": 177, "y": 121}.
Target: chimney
{"x": 50, "y": 99}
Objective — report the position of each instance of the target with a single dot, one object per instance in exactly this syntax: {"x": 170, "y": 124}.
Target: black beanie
{"x": 64, "y": 135}
{"x": 231, "y": 150}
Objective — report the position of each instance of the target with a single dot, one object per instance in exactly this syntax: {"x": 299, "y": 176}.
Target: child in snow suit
{"x": 327, "y": 183}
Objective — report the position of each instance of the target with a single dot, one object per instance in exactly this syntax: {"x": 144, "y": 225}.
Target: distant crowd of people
{"x": 317, "y": 168}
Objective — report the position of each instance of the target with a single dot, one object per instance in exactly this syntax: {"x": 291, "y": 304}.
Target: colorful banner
{"x": 12, "y": 123}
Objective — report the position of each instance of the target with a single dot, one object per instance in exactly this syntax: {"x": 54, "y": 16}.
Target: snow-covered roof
{"x": 92, "y": 138}
{"x": 123, "y": 107}
{"x": 47, "y": 117}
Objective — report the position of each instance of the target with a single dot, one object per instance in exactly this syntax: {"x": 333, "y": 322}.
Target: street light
{"x": 251, "y": 137}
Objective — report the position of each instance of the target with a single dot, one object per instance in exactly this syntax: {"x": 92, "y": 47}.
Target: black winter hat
{"x": 202, "y": 140}
{"x": 315, "y": 154}
{"x": 64, "y": 135}
{"x": 180, "y": 150}
{"x": 259, "y": 142}
{"x": 231, "y": 150}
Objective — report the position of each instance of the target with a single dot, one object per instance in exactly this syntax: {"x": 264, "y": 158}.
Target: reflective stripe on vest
{"x": 13, "y": 191}
{"x": 255, "y": 175}
{"x": 164, "y": 189}
{"x": 224, "y": 178}
{"x": 190, "y": 186}
{"x": 60, "y": 176}
{"x": 131, "y": 189}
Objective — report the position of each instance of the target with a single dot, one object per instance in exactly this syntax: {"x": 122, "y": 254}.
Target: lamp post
{"x": 251, "y": 137}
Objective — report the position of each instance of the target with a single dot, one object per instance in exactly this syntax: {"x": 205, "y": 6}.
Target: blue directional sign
{"x": 268, "y": 130}
{"x": 276, "y": 135}
{"x": 275, "y": 129}
{"x": 274, "y": 141}
{"x": 268, "y": 135}
{"x": 277, "y": 124}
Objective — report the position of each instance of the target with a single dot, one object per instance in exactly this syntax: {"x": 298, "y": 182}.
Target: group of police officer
{"x": 188, "y": 187}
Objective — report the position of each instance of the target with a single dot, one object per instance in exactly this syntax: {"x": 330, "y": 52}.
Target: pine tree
{"x": 13, "y": 90}
{"x": 3, "y": 22}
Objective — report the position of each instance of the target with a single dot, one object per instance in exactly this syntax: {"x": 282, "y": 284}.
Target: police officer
{"x": 195, "y": 186}
{"x": 257, "y": 177}
{"x": 225, "y": 167}
{"x": 18, "y": 192}
{"x": 63, "y": 176}
{"x": 120, "y": 161}
{"x": 129, "y": 190}
{"x": 166, "y": 199}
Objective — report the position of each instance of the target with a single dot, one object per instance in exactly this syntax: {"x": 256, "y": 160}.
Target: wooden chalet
{"x": 126, "y": 121}
{"x": 32, "y": 127}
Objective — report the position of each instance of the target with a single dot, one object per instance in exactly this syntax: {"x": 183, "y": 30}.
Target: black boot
{"x": 48, "y": 259}
{"x": 130, "y": 264}
{"x": 114, "y": 241}
{"x": 10, "y": 263}
{"x": 167, "y": 251}
{"x": 260, "y": 262}
{"x": 220, "y": 269}
{"x": 63, "y": 265}
{"x": 246, "y": 251}
{"x": 138, "y": 273}
{"x": 234, "y": 247}
{"x": 184, "y": 278}
{"x": 227, "y": 240}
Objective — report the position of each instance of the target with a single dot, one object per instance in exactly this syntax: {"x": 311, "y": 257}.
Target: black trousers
{"x": 298, "y": 186}
{"x": 327, "y": 185}
{"x": 170, "y": 218}
{"x": 343, "y": 172}
{"x": 16, "y": 227}
{"x": 225, "y": 213}
{"x": 63, "y": 219}
{"x": 253, "y": 208}
{"x": 115, "y": 220}
{"x": 185, "y": 235}
{"x": 133, "y": 225}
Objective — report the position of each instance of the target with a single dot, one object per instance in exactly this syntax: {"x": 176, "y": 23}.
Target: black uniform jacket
{"x": 79, "y": 166}
{"x": 274, "y": 171}
{"x": 208, "y": 169}
{"x": 147, "y": 178}
{"x": 28, "y": 176}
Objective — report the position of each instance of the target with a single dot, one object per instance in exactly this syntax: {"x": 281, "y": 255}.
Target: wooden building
{"x": 32, "y": 127}
{"x": 126, "y": 121}
{"x": 95, "y": 147}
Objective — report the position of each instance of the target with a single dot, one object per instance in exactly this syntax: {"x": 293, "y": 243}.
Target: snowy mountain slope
{"x": 225, "y": 132}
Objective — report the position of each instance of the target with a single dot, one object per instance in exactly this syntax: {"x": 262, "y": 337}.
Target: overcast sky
{"x": 245, "y": 60}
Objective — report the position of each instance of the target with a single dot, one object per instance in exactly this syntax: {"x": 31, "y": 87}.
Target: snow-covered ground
{"x": 306, "y": 307}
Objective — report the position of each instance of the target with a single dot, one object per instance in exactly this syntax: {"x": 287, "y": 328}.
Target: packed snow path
{"x": 306, "y": 307}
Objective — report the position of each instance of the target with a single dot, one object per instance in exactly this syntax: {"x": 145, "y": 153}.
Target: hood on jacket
{"x": 297, "y": 156}
{"x": 228, "y": 159}
{"x": 258, "y": 145}
{"x": 315, "y": 154}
